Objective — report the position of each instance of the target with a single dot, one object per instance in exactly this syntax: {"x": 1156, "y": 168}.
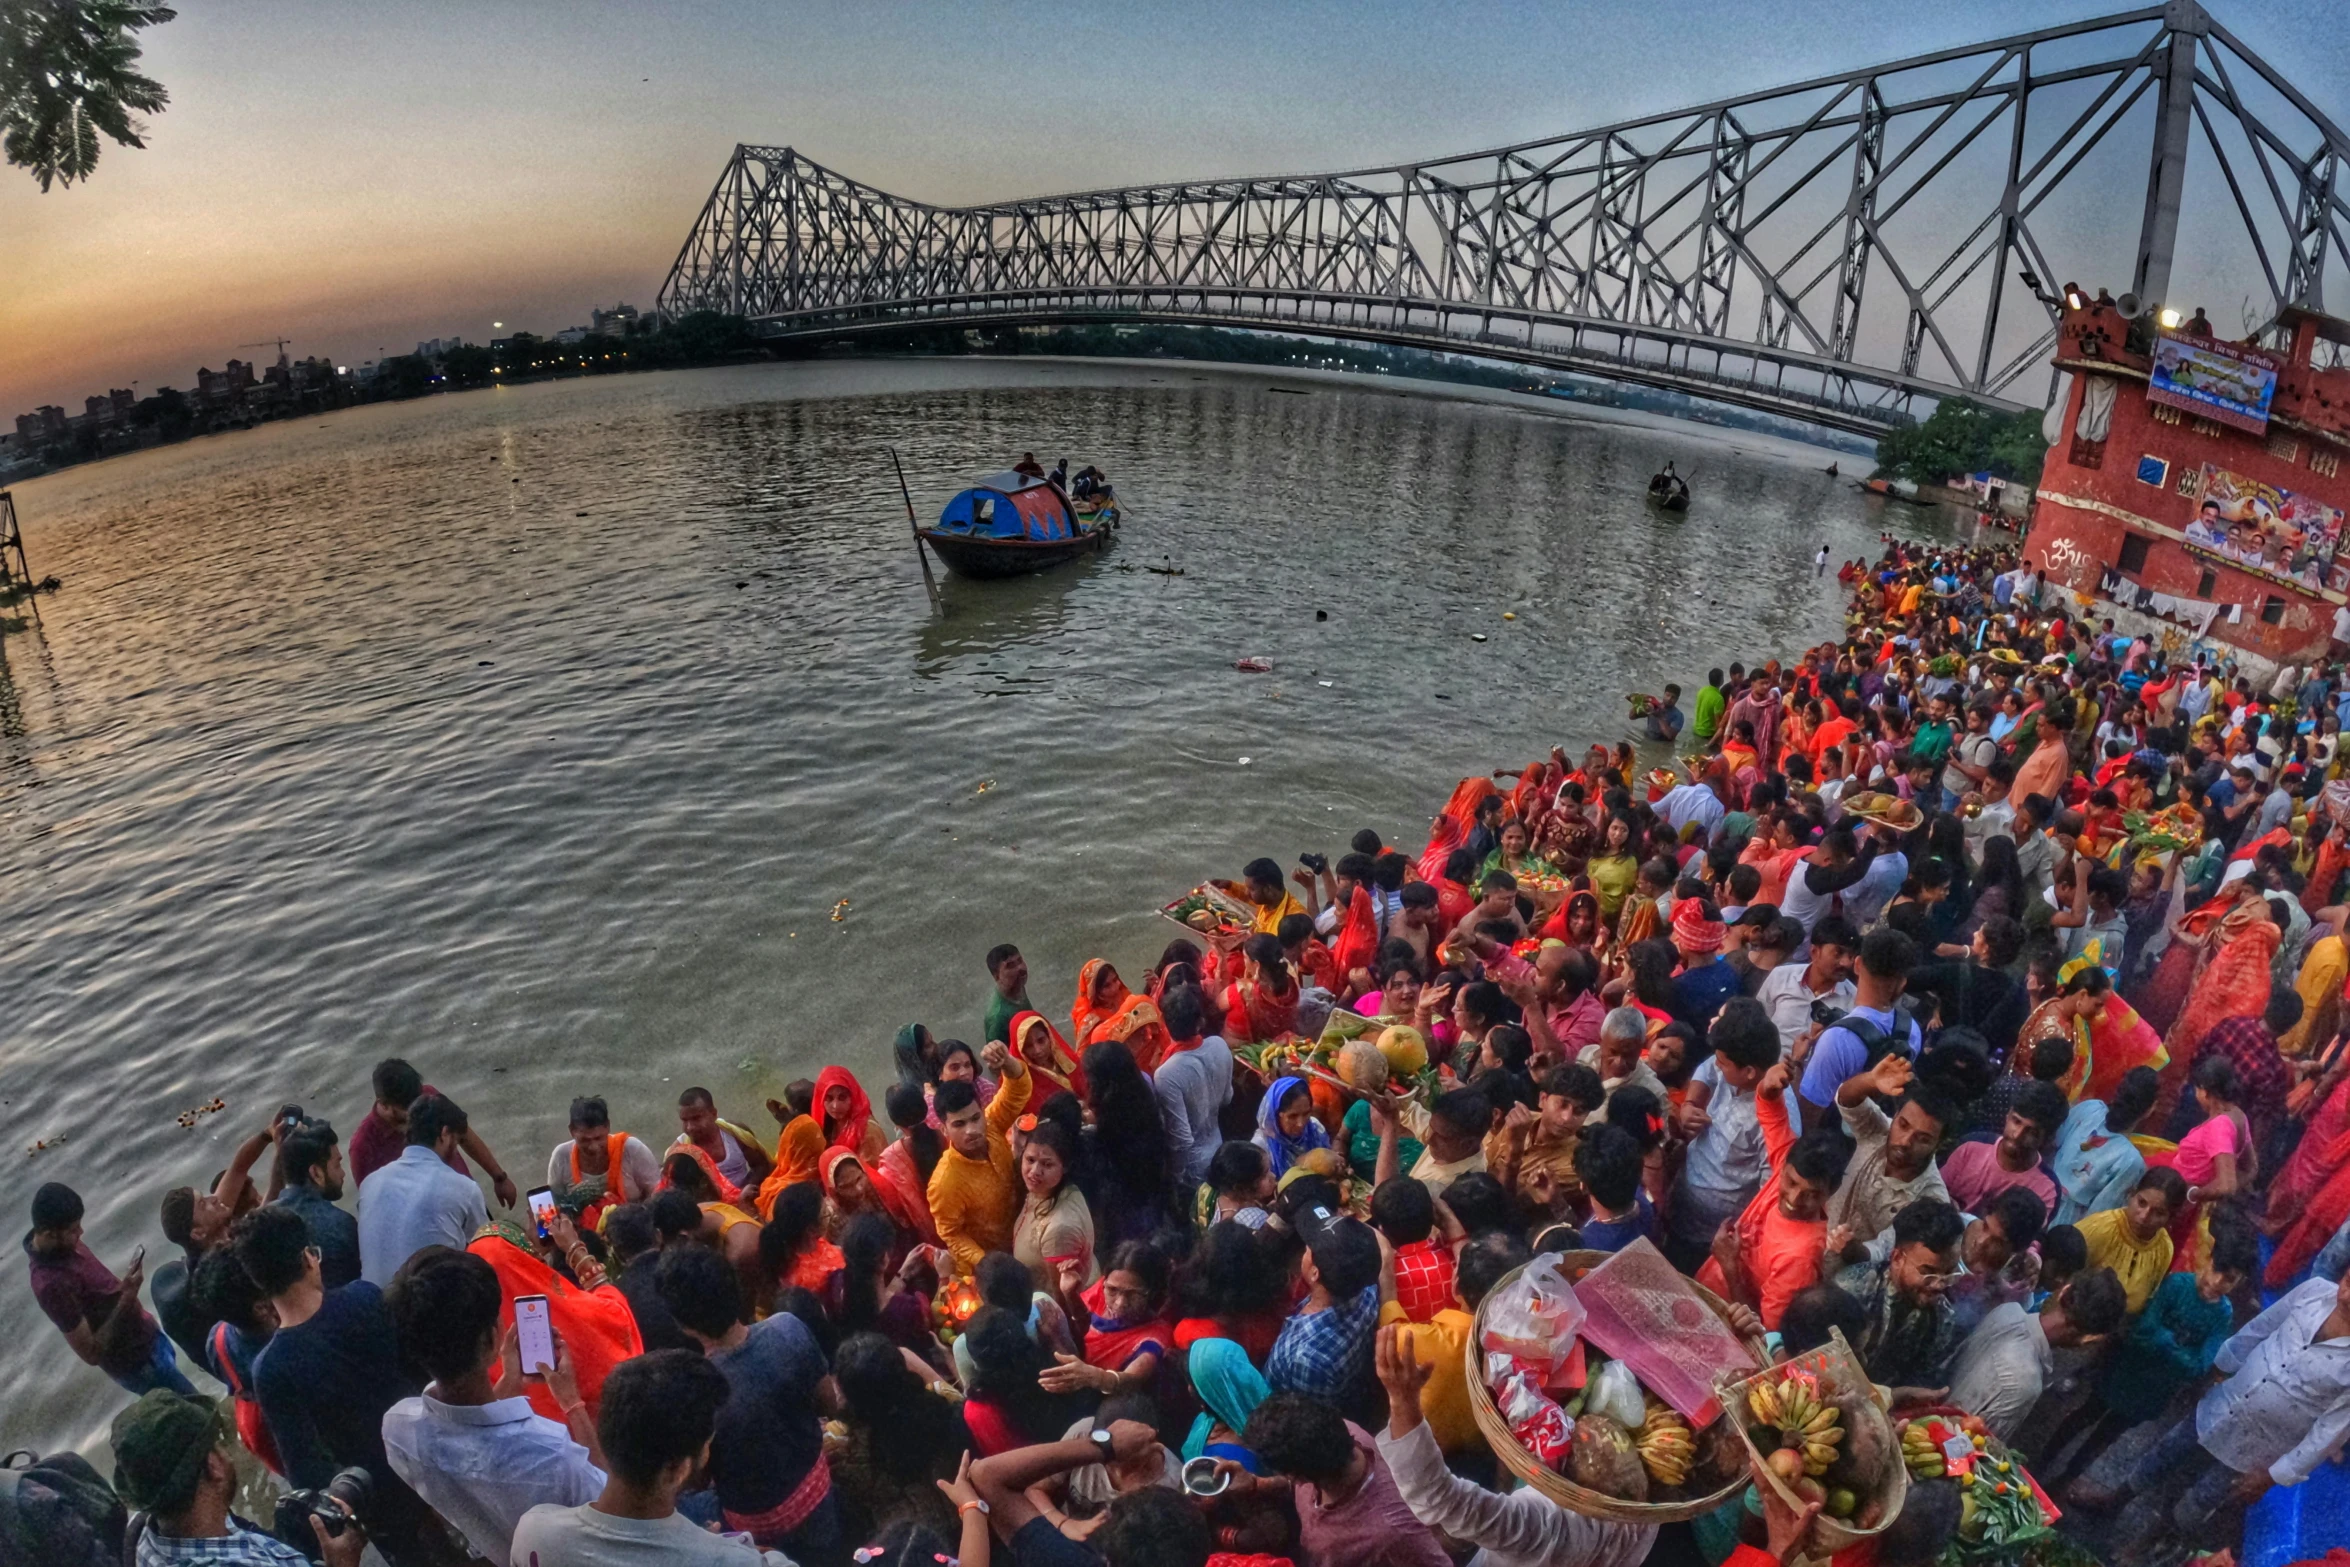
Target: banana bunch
{"x": 1666, "y": 1445}
{"x": 1919, "y": 1452}
{"x": 1806, "y": 1424}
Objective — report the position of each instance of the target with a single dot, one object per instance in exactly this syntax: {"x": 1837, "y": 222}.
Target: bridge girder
{"x": 1846, "y": 249}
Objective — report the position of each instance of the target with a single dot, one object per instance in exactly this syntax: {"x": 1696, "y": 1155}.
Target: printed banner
{"x": 2218, "y": 380}
{"x": 2275, "y": 532}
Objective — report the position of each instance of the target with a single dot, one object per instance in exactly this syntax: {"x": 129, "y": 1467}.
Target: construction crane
{"x": 279, "y": 343}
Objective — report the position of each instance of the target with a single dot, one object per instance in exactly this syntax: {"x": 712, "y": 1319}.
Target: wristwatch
{"x": 977, "y": 1504}
{"x": 1101, "y": 1439}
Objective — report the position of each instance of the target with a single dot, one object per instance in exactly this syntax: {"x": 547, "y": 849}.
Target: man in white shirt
{"x": 417, "y": 1200}
{"x": 2004, "y": 1362}
{"x": 659, "y": 1413}
{"x": 1789, "y": 991}
{"x": 470, "y": 1444}
{"x": 1193, "y": 1084}
{"x": 2284, "y": 1407}
{"x": 1699, "y": 802}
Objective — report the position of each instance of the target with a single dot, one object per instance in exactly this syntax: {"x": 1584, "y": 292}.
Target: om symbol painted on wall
{"x": 2068, "y": 560}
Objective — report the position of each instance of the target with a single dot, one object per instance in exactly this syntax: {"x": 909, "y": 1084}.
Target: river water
{"x": 534, "y": 734}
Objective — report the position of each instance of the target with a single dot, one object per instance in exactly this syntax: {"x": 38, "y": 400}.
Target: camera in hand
{"x": 337, "y": 1505}
{"x": 1317, "y": 863}
{"x": 1826, "y": 1013}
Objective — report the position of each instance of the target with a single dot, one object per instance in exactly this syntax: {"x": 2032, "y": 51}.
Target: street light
{"x": 2168, "y": 317}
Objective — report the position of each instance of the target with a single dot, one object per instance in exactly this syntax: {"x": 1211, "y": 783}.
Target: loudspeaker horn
{"x": 2130, "y": 306}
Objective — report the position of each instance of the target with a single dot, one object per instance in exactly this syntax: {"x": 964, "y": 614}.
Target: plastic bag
{"x": 1541, "y": 1427}
{"x": 1534, "y": 1318}
{"x": 1614, "y": 1391}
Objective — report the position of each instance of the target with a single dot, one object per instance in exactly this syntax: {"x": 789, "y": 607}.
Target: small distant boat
{"x": 1668, "y": 491}
{"x": 1013, "y": 525}
{"x": 1895, "y": 490}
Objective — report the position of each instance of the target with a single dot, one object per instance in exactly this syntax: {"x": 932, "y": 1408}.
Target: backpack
{"x": 1873, "y": 1036}
{"x": 57, "y": 1512}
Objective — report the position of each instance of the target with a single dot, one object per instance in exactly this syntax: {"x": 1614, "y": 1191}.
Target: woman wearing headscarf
{"x": 853, "y": 1187}
{"x": 917, "y": 1056}
{"x": 845, "y": 1113}
{"x": 1453, "y": 824}
{"x": 593, "y": 1318}
{"x": 1261, "y": 1005}
{"x": 1286, "y": 1128}
{"x": 1229, "y": 1391}
{"x": 1047, "y": 1054}
{"x": 799, "y": 1155}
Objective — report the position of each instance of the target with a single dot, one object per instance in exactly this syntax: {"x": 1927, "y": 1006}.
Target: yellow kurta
{"x": 974, "y": 1201}
{"x": 2140, "y": 1265}
{"x": 1441, "y": 1343}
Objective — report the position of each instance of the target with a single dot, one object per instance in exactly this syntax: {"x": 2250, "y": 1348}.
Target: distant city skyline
{"x": 361, "y": 179}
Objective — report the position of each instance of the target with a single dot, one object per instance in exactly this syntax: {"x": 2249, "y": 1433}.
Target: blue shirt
{"x": 414, "y": 1202}
{"x": 1616, "y": 1234}
{"x": 242, "y": 1546}
{"x": 1839, "y": 1055}
{"x": 1325, "y": 1353}
{"x": 2091, "y": 1180}
{"x": 334, "y": 1232}
{"x": 1698, "y": 993}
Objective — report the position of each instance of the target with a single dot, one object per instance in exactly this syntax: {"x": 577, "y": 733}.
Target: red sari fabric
{"x": 596, "y": 1326}
{"x": 894, "y": 1201}
{"x": 727, "y": 1190}
{"x": 1254, "y": 1014}
{"x": 1059, "y": 1070}
{"x": 1452, "y": 825}
{"x": 852, "y": 1130}
{"x": 1114, "y": 1346}
{"x": 2320, "y": 1151}
{"x": 1357, "y": 946}
{"x": 2327, "y": 1210}
{"x": 2235, "y": 983}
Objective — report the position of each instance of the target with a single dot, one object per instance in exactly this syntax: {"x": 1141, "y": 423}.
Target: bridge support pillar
{"x": 2166, "y": 180}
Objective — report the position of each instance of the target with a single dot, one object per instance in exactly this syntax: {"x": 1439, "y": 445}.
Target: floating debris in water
{"x": 1479, "y": 636}
{"x": 1254, "y": 666}
{"x": 191, "y": 1117}
{"x": 1244, "y": 761}
{"x": 985, "y": 784}
{"x": 840, "y": 911}
{"x": 44, "y": 1143}
{"x": 1509, "y": 614}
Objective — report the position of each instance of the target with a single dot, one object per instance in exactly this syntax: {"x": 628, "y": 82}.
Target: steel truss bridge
{"x": 1848, "y": 250}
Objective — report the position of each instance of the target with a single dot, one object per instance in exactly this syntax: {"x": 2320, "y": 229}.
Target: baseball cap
{"x": 1345, "y": 1251}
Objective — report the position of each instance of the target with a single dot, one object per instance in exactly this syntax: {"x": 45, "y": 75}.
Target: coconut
{"x": 1362, "y": 1067}
{"x": 1603, "y": 1459}
{"x": 1405, "y": 1050}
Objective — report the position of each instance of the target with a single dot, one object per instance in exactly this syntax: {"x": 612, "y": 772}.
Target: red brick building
{"x": 2177, "y": 485}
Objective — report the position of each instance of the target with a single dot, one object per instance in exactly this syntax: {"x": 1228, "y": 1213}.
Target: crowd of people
{"x": 1972, "y": 989}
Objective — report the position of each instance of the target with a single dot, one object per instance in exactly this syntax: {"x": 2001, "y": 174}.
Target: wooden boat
{"x": 1013, "y": 525}
{"x": 1668, "y": 492}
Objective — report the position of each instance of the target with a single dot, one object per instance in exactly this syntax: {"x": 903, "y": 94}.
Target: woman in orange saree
{"x": 595, "y": 1323}
{"x": 2234, "y": 982}
{"x": 1048, "y": 1055}
{"x": 1356, "y": 951}
{"x": 1106, "y": 1009}
{"x": 1261, "y": 1006}
{"x": 797, "y": 1158}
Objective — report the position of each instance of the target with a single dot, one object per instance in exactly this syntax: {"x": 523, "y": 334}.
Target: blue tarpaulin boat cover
{"x": 1009, "y": 506}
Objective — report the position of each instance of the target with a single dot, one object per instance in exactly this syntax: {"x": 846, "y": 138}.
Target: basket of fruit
{"x": 2169, "y": 830}
{"x": 1641, "y": 705}
{"x": 1815, "y": 1426}
{"x": 2000, "y": 1504}
{"x": 1582, "y": 1428}
{"x": 1210, "y": 910}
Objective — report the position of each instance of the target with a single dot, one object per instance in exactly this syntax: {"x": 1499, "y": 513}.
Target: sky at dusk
{"x": 357, "y": 177}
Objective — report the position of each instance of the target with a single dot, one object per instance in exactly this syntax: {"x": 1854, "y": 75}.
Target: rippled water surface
{"x": 534, "y": 734}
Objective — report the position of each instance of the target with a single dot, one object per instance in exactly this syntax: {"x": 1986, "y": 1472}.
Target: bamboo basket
{"x": 1549, "y": 1482}
{"x": 1835, "y": 1358}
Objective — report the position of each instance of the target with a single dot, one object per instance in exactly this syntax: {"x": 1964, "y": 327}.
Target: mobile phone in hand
{"x": 542, "y": 1207}
{"x": 534, "y": 1333}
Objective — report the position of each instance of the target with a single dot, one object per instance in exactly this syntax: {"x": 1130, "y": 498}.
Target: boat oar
{"x": 921, "y": 553}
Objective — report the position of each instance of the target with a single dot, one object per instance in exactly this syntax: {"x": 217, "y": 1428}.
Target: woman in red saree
{"x": 846, "y": 1113}
{"x": 1048, "y": 1055}
{"x": 1451, "y": 829}
{"x": 2311, "y": 1196}
{"x": 1356, "y": 951}
{"x": 1141, "y": 1030}
{"x": 1260, "y": 1006}
{"x": 592, "y": 1317}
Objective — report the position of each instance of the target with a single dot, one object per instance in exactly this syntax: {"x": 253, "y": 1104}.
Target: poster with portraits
{"x": 2274, "y": 531}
